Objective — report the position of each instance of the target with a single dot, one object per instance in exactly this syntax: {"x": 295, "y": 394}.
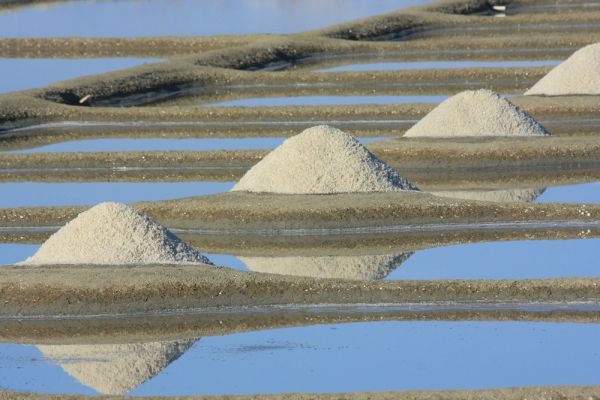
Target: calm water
{"x": 494, "y": 260}
{"x": 321, "y": 358}
{"x": 581, "y": 193}
{"x": 327, "y": 100}
{"x": 29, "y": 194}
{"x": 392, "y": 66}
{"x": 39, "y": 72}
{"x": 144, "y": 144}
{"x": 132, "y": 18}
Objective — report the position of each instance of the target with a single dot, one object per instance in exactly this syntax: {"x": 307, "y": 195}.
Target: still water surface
{"x": 134, "y": 18}
{"x": 375, "y": 356}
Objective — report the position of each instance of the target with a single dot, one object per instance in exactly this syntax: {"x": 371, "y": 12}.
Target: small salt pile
{"x": 476, "y": 113}
{"x": 578, "y": 74}
{"x": 113, "y": 233}
{"x": 115, "y": 369}
{"x": 370, "y": 267}
{"x": 325, "y": 160}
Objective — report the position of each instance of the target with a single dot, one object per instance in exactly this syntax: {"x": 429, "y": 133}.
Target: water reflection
{"x": 506, "y": 195}
{"x": 29, "y": 73}
{"x": 367, "y": 267}
{"x": 326, "y": 100}
{"x": 429, "y": 355}
{"x": 115, "y": 369}
{"x": 129, "y": 18}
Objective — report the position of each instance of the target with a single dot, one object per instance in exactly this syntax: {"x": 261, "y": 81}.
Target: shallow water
{"x": 28, "y": 73}
{"x": 28, "y": 194}
{"x": 330, "y": 358}
{"x": 145, "y": 144}
{"x": 326, "y": 100}
{"x": 393, "y": 66}
{"x": 133, "y": 18}
{"x": 580, "y": 193}
{"x": 536, "y": 259}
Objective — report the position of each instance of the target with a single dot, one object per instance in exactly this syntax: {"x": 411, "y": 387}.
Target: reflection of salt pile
{"x": 476, "y": 113}
{"x": 509, "y": 195}
{"x": 112, "y": 233}
{"x": 321, "y": 159}
{"x": 578, "y": 74}
{"x": 115, "y": 368}
{"x": 342, "y": 267}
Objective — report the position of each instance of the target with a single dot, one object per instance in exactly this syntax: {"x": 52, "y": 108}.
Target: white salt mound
{"x": 369, "y": 267}
{"x": 115, "y": 369}
{"x": 506, "y": 195}
{"x": 113, "y": 233}
{"x": 321, "y": 159}
{"x": 578, "y": 74}
{"x": 476, "y": 113}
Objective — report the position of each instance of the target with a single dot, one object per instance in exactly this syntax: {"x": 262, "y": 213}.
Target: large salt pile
{"x": 115, "y": 369}
{"x": 113, "y": 233}
{"x": 578, "y": 74}
{"x": 322, "y": 159}
{"x": 369, "y": 267}
{"x": 476, "y": 113}
{"x": 505, "y": 195}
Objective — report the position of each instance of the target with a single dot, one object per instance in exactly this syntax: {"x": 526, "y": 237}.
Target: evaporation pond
{"x": 351, "y": 357}
{"x": 134, "y": 18}
{"x": 393, "y": 66}
{"x": 143, "y": 144}
{"x": 30, "y": 194}
{"x": 325, "y": 100}
{"x": 29, "y": 73}
{"x": 580, "y": 193}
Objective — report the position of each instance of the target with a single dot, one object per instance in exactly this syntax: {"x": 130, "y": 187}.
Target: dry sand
{"x": 578, "y": 74}
{"x": 321, "y": 160}
{"x": 476, "y": 113}
{"x": 113, "y": 233}
{"x": 115, "y": 369}
{"x": 369, "y": 267}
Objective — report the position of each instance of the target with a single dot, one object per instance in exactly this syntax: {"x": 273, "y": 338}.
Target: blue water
{"x": 28, "y": 194}
{"x": 133, "y": 18}
{"x": 495, "y": 260}
{"x": 27, "y": 73}
{"x": 392, "y": 66}
{"x": 326, "y": 100}
{"x": 580, "y": 193}
{"x": 143, "y": 144}
{"x": 375, "y": 356}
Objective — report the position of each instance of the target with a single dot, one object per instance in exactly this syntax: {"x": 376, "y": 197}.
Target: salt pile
{"x": 115, "y": 369}
{"x": 322, "y": 159}
{"x": 113, "y": 233}
{"x": 369, "y": 267}
{"x": 476, "y": 113}
{"x": 578, "y": 74}
{"x": 507, "y": 195}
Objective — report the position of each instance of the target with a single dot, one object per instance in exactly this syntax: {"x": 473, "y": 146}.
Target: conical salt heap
{"x": 113, "y": 233}
{"x": 325, "y": 160}
{"x": 115, "y": 369}
{"x": 476, "y": 113}
{"x": 578, "y": 74}
{"x": 371, "y": 267}
{"x": 504, "y": 195}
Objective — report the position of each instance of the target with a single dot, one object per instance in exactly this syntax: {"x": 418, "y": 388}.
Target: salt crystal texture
{"x": 578, "y": 74}
{"x": 325, "y": 160}
{"x": 113, "y": 233}
{"x": 476, "y": 113}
